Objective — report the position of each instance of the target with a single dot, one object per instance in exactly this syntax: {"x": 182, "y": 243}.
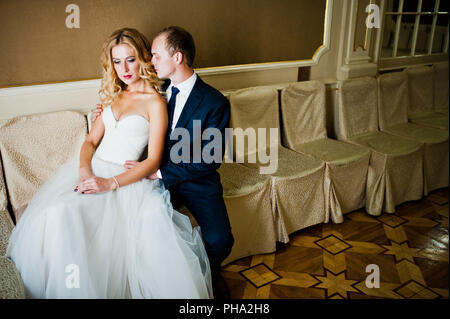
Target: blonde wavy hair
{"x": 111, "y": 85}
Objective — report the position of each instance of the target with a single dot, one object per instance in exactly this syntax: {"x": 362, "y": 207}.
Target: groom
{"x": 196, "y": 185}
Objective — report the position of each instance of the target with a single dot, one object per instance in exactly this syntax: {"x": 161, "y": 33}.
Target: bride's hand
{"x": 96, "y": 184}
{"x": 83, "y": 174}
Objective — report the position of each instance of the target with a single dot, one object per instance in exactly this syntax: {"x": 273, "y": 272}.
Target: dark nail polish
{"x": 82, "y": 192}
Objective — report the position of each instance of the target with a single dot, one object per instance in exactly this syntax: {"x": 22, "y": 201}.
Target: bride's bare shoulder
{"x": 153, "y": 102}
{"x": 151, "y": 96}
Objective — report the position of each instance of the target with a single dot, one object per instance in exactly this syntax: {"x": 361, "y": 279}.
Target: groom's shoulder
{"x": 211, "y": 93}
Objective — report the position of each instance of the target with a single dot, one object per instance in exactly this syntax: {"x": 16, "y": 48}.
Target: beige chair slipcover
{"x": 6, "y": 223}
{"x": 247, "y": 196}
{"x": 441, "y": 87}
{"x": 304, "y": 131}
{"x": 11, "y": 284}
{"x": 3, "y": 196}
{"x": 395, "y": 172}
{"x": 297, "y": 184}
{"x": 421, "y": 89}
{"x": 33, "y": 147}
{"x": 6, "y": 227}
{"x": 393, "y": 107}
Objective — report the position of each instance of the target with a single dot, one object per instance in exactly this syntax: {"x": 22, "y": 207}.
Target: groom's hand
{"x": 153, "y": 176}
{"x": 97, "y": 112}
{"x": 131, "y": 164}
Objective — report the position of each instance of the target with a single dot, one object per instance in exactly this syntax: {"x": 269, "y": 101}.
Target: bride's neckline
{"x": 124, "y": 117}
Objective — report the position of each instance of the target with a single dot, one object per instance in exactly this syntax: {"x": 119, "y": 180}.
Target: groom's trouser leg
{"x": 175, "y": 199}
{"x": 204, "y": 200}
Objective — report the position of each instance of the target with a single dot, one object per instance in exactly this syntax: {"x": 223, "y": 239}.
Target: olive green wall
{"x": 37, "y": 47}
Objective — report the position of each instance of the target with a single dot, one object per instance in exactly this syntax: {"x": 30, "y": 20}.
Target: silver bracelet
{"x": 115, "y": 180}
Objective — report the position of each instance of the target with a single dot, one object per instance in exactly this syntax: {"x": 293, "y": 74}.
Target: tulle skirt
{"x": 128, "y": 243}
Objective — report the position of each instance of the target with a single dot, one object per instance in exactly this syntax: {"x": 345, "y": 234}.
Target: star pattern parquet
{"x": 410, "y": 249}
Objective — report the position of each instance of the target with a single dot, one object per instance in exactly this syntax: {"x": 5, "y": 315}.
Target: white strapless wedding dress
{"x": 128, "y": 243}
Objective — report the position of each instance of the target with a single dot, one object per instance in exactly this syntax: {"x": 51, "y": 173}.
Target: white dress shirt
{"x": 185, "y": 88}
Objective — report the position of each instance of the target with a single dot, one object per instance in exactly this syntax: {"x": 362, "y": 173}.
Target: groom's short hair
{"x": 179, "y": 40}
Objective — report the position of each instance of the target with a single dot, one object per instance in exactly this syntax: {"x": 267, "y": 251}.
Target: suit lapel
{"x": 191, "y": 105}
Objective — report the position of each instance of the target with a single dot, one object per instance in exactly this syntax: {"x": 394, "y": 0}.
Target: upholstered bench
{"x": 11, "y": 285}
{"x": 31, "y": 148}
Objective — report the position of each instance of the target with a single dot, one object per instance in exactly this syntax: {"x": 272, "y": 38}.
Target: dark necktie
{"x": 171, "y": 106}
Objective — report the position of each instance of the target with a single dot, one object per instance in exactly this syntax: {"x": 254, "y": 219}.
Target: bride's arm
{"x": 88, "y": 148}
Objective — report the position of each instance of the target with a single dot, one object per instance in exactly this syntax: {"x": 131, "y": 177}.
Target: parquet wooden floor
{"x": 409, "y": 249}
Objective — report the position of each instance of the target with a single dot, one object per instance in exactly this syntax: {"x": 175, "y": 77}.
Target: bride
{"x": 116, "y": 234}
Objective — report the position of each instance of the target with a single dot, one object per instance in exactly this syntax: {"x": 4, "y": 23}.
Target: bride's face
{"x": 125, "y": 63}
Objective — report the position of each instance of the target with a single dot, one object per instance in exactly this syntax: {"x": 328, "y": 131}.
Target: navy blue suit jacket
{"x": 197, "y": 185}
{"x": 208, "y": 105}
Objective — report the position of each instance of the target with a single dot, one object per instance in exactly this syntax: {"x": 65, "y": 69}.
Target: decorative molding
{"x": 282, "y": 64}
{"x": 354, "y": 62}
{"x": 204, "y": 71}
{"x": 359, "y": 70}
{"x": 358, "y": 56}
{"x": 406, "y": 61}
{"x": 50, "y": 87}
{"x": 378, "y": 44}
{"x": 355, "y": 54}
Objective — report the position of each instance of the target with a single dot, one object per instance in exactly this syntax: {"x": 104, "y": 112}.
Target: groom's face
{"x": 163, "y": 62}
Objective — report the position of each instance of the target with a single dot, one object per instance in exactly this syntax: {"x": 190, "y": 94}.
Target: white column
{"x": 355, "y": 58}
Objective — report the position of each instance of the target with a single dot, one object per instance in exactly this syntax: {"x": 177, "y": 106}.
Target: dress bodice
{"x": 123, "y": 140}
